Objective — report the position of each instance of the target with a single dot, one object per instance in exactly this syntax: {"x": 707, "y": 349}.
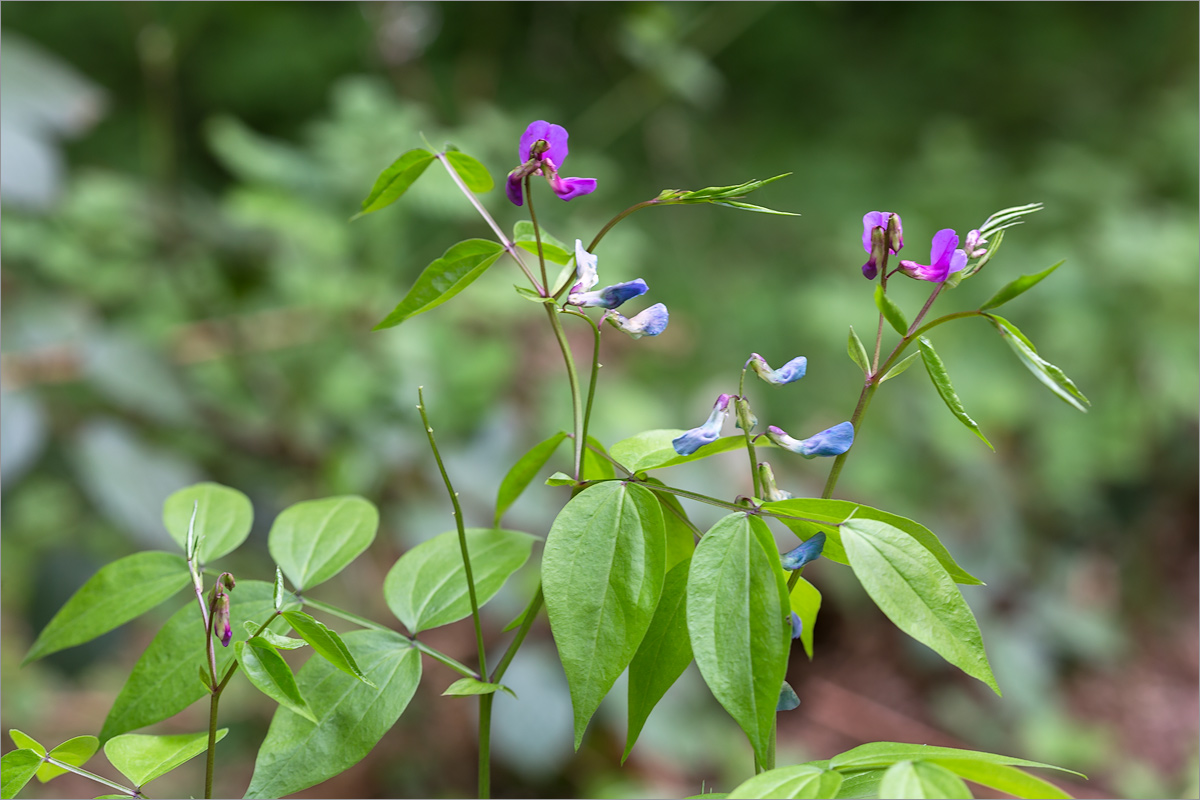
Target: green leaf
{"x": 274, "y": 639}
{"x": 279, "y": 591}
{"x": 1006, "y": 218}
{"x": 941, "y": 381}
{"x": 223, "y": 518}
{"x": 314, "y": 540}
{"x": 861, "y": 785}
{"x": 473, "y": 174}
{"x": 395, "y": 180}
{"x": 1009, "y": 780}
{"x": 523, "y": 472}
{"x": 712, "y": 193}
{"x": 24, "y": 741}
{"x": 752, "y": 207}
{"x": 17, "y": 767}
{"x": 737, "y": 615}
{"x": 163, "y": 681}
{"x": 1053, "y": 377}
{"x": 838, "y": 510}
{"x": 271, "y": 675}
{"x": 560, "y": 479}
{"x": 891, "y": 312}
{"x": 352, "y": 716}
{"x": 652, "y": 449}
{"x": 464, "y": 687}
{"x": 1018, "y": 287}
{"x": 917, "y": 779}
{"x": 663, "y": 655}
{"x": 327, "y": 643}
{"x": 896, "y": 370}
{"x": 858, "y": 353}
{"x": 882, "y": 754}
{"x": 805, "y": 600}
{"x": 552, "y": 249}
{"x": 117, "y": 593}
{"x": 142, "y": 758}
{"x": 798, "y": 781}
{"x": 916, "y": 593}
{"x": 427, "y": 586}
{"x": 595, "y": 465}
{"x": 444, "y": 278}
{"x": 602, "y": 575}
{"x": 75, "y": 752}
{"x": 681, "y": 541}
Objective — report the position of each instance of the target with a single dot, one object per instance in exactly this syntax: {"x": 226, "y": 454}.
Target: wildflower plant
{"x": 627, "y": 581}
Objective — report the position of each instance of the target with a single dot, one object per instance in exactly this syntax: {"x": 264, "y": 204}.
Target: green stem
{"x": 618, "y": 218}
{"x": 744, "y": 422}
{"x": 537, "y": 237}
{"x": 531, "y": 613}
{"x": 591, "y": 393}
{"x": 457, "y": 666}
{"x": 210, "y": 763}
{"x": 485, "y": 732}
{"x": 349, "y": 616}
{"x": 91, "y": 776}
{"x": 573, "y": 377}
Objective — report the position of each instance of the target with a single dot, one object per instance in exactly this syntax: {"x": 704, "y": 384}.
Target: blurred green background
{"x": 184, "y": 299}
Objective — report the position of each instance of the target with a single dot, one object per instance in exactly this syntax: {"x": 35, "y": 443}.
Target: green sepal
{"x": 891, "y": 312}
{"x": 941, "y": 381}
{"x": 444, "y": 278}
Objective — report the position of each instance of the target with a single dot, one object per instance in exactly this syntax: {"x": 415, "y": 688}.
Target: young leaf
{"x": 473, "y": 174}
{"x": 858, "y": 353}
{"x": 663, "y": 655}
{"x": 223, "y": 518}
{"x": 1006, "y": 218}
{"x": 891, "y": 312}
{"x": 75, "y": 752}
{"x": 325, "y": 642}
{"x": 427, "y": 586}
{"x": 896, "y": 370}
{"x": 1018, "y": 287}
{"x": 395, "y": 180}
{"x": 1053, "y": 377}
{"x": 602, "y": 574}
{"x": 274, "y": 639}
{"x": 805, "y": 601}
{"x": 271, "y": 675}
{"x": 314, "y": 540}
{"x": 552, "y": 249}
{"x": 523, "y": 472}
{"x": 279, "y": 592}
{"x": 652, "y": 449}
{"x": 465, "y": 687}
{"x": 117, "y": 593}
{"x": 752, "y": 207}
{"x": 737, "y": 612}
{"x": 142, "y": 758}
{"x": 352, "y": 716}
{"x": 918, "y": 779}
{"x": 560, "y": 479}
{"x": 17, "y": 768}
{"x": 916, "y": 593}
{"x": 882, "y": 754}
{"x": 941, "y": 382}
{"x": 798, "y": 781}
{"x": 444, "y": 278}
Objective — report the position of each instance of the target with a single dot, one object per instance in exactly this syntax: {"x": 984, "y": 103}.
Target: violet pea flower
{"x": 807, "y": 552}
{"x": 872, "y": 221}
{"x": 650, "y": 322}
{"x": 543, "y": 149}
{"x": 709, "y": 432}
{"x": 797, "y": 625}
{"x": 791, "y": 371}
{"x": 830, "y": 442}
{"x": 944, "y": 259}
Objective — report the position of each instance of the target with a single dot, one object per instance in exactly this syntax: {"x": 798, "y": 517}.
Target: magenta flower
{"x": 872, "y": 221}
{"x": 709, "y": 432}
{"x": 944, "y": 256}
{"x": 543, "y": 150}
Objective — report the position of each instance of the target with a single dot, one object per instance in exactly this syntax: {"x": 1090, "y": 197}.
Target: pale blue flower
{"x": 709, "y": 432}
{"x": 650, "y": 322}
{"x": 587, "y": 274}
{"x": 830, "y": 442}
{"x": 797, "y": 625}
{"x": 791, "y": 371}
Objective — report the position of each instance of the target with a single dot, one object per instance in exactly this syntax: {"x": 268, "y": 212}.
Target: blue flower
{"x": 650, "y": 322}
{"x": 797, "y": 625}
{"x": 831, "y": 442}
{"x": 586, "y": 273}
{"x": 609, "y": 296}
{"x": 791, "y": 371}
{"x": 807, "y": 552}
{"x": 709, "y": 432}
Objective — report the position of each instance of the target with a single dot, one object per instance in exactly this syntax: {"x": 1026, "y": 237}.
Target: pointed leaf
{"x": 652, "y": 449}
{"x": 117, "y": 593}
{"x": 75, "y": 752}
{"x": 858, "y": 353}
{"x": 1009, "y": 780}
{"x": 279, "y": 591}
{"x": 142, "y": 758}
{"x": 805, "y": 601}
{"x": 444, "y": 278}
{"x": 602, "y": 575}
{"x": 798, "y": 781}
{"x": 523, "y": 472}
{"x": 751, "y": 207}
{"x": 552, "y": 249}
{"x": 891, "y": 312}
{"x": 1018, "y": 287}
{"x": 473, "y": 174}
{"x": 917, "y": 779}
{"x": 1053, "y": 377}
{"x": 395, "y": 180}
{"x": 861, "y": 785}
{"x": 681, "y": 541}
{"x": 24, "y": 741}
{"x": 882, "y": 754}
{"x": 896, "y": 370}
{"x": 327, "y": 643}
{"x": 223, "y": 518}
{"x": 465, "y": 687}
{"x": 271, "y": 675}
{"x": 595, "y": 465}
{"x": 274, "y": 639}
{"x": 941, "y": 381}
{"x": 1006, "y": 218}
{"x": 17, "y": 768}
{"x": 314, "y": 540}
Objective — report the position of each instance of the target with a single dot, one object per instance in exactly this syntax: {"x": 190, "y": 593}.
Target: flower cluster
{"x": 650, "y": 322}
{"x": 884, "y": 229}
{"x": 543, "y": 150}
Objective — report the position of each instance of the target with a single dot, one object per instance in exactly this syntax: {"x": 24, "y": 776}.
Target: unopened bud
{"x": 220, "y": 619}
{"x": 745, "y": 417}
{"x": 770, "y": 491}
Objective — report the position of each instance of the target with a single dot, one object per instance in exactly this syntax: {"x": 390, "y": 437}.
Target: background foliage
{"x": 184, "y": 299}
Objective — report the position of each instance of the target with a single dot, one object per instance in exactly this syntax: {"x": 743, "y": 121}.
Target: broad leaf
{"x": 602, "y": 574}
{"x": 596, "y": 466}
{"x": 900, "y": 367}
{"x": 941, "y": 381}
{"x": 1053, "y": 377}
{"x": 737, "y": 615}
{"x": 523, "y": 472}
{"x": 664, "y": 654}
{"x": 352, "y": 716}
{"x": 395, "y": 180}
{"x": 117, "y": 593}
{"x": 271, "y": 675}
{"x": 75, "y": 752}
{"x": 552, "y": 249}
{"x": 1018, "y": 287}
{"x": 907, "y": 780}
{"x": 223, "y": 518}
{"x": 882, "y": 754}
{"x": 427, "y": 586}
{"x": 473, "y": 174}
{"x": 916, "y": 593}
{"x": 681, "y": 541}
{"x": 1009, "y": 780}
{"x": 861, "y": 785}
{"x": 858, "y": 353}
{"x": 891, "y": 312}
{"x": 17, "y": 768}
{"x": 467, "y": 687}
{"x": 444, "y": 278}
{"x": 798, "y": 781}
{"x": 653, "y": 450}
{"x": 142, "y": 758}
{"x": 805, "y": 601}
{"x": 314, "y": 540}
{"x": 326, "y": 642}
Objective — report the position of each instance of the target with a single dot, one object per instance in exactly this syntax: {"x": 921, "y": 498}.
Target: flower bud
{"x": 744, "y": 419}
{"x": 220, "y": 619}
{"x": 797, "y": 625}
{"x": 807, "y": 552}
{"x": 770, "y": 491}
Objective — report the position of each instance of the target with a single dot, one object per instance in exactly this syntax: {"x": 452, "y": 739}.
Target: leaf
{"x": 798, "y": 781}
{"x": 427, "y": 586}
{"x": 1009, "y": 780}
{"x": 723, "y": 195}
{"x": 271, "y": 675}
{"x": 861, "y": 785}
{"x": 752, "y": 207}
{"x": 163, "y": 681}
{"x": 395, "y": 180}
{"x": 652, "y": 449}
{"x": 891, "y": 312}
{"x": 805, "y": 601}
{"x": 117, "y": 593}
{"x": 444, "y": 278}
{"x": 523, "y": 472}
{"x": 279, "y": 591}
{"x": 464, "y": 687}
{"x": 917, "y": 779}
{"x": 737, "y": 612}
{"x": 473, "y": 174}
{"x": 838, "y": 510}
{"x": 223, "y": 518}
{"x": 552, "y": 249}
{"x": 17, "y": 767}
{"x": 858, "y": 353}
{"x": 1053, "y": 377}
{"x": 1018, "y": 287}
{"x": 352, "y": 716}
{"x": 75, "y": 751}
{"x": 274, "y": 639}
{"x": 681, "y": 541}
{"x": 1006, "y": 218}
{"x": 560, "y": 479}
{"x": 314, "y": 540}
{"x": 142, "y": 758}
{"x": 327, "y": 643}
{"x": 916, "y": 593}
{"x": 941, "y": 381}
{"x": 663, "y": 655}
{"x": 602, "y": 575}
{"x": 882, "y": 754}
{"x": 896, "y": 370}
{"x": 595, "y": 465}
{"x": 24, "y": 741}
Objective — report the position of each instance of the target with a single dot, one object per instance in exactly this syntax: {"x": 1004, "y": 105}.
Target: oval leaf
{"x": 223, "y": 518}
{"x": 142, "y": 758}
{"x": 523, "y": 472}
{"x": 602, "y": 574}
{"x": 1018, "y": 287}
{"x": 896, "y": 370}
{"x": 271, "y": 675}
{"x": 327, "y": 643}
{"x": 427, "y": 586}
{"x": 473, "y": 174}
{"x": 799, "y": 781}
{"x": 917, "y": 779}
{"x": 858, "y": 353}
{"x": 891, "y": 312}
{"x": 119, "y": 592}
{"x": 395, "y": 180}
{"x": 941, "y": 381}
{"x": 75, "y": 752}
{"x": 315, "y": 540}
{"x": 17, "y": 768}
{"x": 442, "y": 279}
{"x": 1051, "y": 376}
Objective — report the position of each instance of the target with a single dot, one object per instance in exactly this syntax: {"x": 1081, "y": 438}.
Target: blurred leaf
{"x": 1006, "y": 218}
{"x": 900, "y": 367}
{"x": 325, "y": 642}
{"x": 75, "y": 751}
{"x": 918, "y": 779}
{"x": 941, "y": 382}
{"x": 142, "y": 758}
{"x": 1009, "y": 780}
{"x": 1053, "y": 377}
{"x": 17, "y": 767}
{"x": 473, "y": 174}
{"x": 223, "y": 518}
{"x": 653, "y": 449}
{"x": 798, "y": 781}
{"x": 858, "y": 353}
{"x": 465, "y": 687}
{"x": 523, "y": 472}
{"x": 861, "y": 785}
{"x": 271, "y": 675}
{"x": 395, "y": 180}
{"x": 552, "y": 248}
{"x": 444, "y": 278}
{"x": 882, "y": 754}
{"x": 891, "y": 312}
{"x": 314, "y": 540}
{"x": 681, "y": 541}
{"x": 805, "y": 600}
{"x": 1019, "y": 287}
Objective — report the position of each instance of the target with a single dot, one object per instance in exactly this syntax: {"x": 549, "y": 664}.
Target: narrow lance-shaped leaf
{"x": 1009, "y": 780}
{"x": 395, "y": 180}
{"x": 1006, "y": 218}
{"x": 325, "y": 642}
{"x": 1018, "y": 287}
{"x": 444, "y": 278}
{"x": 858, "y": 353}
{"x": 142, "y": 758}
{"x": 900, "y": 367}
{"x": 523, "y": 472}
{"x": 468, "y": 687}
{"x": 473, "y": 174}
{"x": 271, "y": 675}
{"x": 891, "y": 312}
{"x": 945, "y": 389}
{"x": 882, "y": 754}
{"x": 1051, "y": 376}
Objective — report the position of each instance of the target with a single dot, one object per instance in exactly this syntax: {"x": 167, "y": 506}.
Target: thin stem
{"x": 591, "y": 394}
{"x": 485, "y": 734}
{"x": 744, "y": 422}
{"x": 573, "y": 377}
{"x": 537, "y": 237}
{"x": 210, "y": 763}
{"x": 436, "y": 655}
{"x": 349, "y": 616}
{"x": 618, "y": 218}
{"x": 91, "y": 776}
{"x": 535, "y": 605}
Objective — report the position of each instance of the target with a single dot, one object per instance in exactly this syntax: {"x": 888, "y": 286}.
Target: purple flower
{"x": 791, "y": 371}
{"x": 709, "y": 432}
{"x": 974, "y": 245}
{"x": 220, "y": 622}
{"x": 944, "y": 256}
{"x": 609, "y": 296}
{"x": 807, "y": 551}
{"x": 831, "y": 442}
{"x": 543, "y": 150}
{"x": 650, "y": 322}
{"x": 878, "y": 220}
